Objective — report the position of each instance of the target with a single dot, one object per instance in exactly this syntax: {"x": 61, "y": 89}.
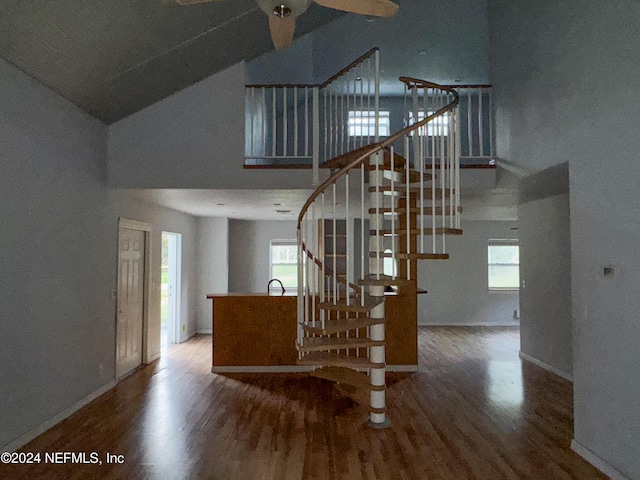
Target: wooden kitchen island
{"x": 255, "y": 332}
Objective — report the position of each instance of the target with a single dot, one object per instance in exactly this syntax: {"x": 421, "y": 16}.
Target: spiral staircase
{"x": 386, "y": 204}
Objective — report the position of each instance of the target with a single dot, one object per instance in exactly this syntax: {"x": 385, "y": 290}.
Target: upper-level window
{"x": 504, "y": 265}
{"x": 362, "y": 123}
{"x": 284, "y": 263}
{"x": 437, "y": 126}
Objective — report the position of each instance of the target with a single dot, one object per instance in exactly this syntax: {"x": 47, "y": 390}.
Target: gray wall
{"x": 294, "y": 66}
{"x": 565, "y": 81}
{"x": 213, "y": 266}
{"x": 249, "y": 252}
{"x": 545, "y": 299}
{"x": 457, "y": 288}
{"x": 193, "y": 139}
{"x": 453, "y": 34}
{"x": 58, "y": 247}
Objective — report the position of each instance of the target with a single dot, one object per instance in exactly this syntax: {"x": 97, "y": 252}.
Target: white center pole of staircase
{"x": 378, "y": 416}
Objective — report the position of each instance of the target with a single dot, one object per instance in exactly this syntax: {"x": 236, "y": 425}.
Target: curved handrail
{"x": 358, "y": 60}
{"x": 376, "y": 147}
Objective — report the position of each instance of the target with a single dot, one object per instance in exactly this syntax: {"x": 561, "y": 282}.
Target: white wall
{"x": 58, "y": 248}
{"x": 213, "y": 266}
{"x": 565, "y": 81}
{"x": 249, "y": 252}
{"x": 193, "y": 139}
{"x": 457, "y": 288}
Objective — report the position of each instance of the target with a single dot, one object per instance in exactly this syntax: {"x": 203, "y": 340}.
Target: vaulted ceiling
{"x": 115, "y": 57}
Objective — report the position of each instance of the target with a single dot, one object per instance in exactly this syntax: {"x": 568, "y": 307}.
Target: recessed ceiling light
{"x": 277, "y": 204}
{"x": 422, "y": 52}
{"x": 457, "y": 80}
{"x": 220, "y": 204}
{"x": 371, "y": 19}
{"x": 358, "y": 79}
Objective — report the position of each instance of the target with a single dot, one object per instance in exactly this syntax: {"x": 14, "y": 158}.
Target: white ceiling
{"x": 241, "y": 204}
{"x": 497, "y": 204}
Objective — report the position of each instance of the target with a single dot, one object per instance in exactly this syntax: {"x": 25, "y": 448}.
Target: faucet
{"x": 274, "y": 280}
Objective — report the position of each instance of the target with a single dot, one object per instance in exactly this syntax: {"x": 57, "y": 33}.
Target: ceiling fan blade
{"x": 282, "y": 31}
{"x": 193, "y": 2}
{"x": 374, "y": 8}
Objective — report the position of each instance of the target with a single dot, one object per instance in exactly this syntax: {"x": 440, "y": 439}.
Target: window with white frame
{"x": 503, "y": 265}
{"x": 283, "y": 256}
{"x": 437, "y": 126}
{"x": 362, "y": 123}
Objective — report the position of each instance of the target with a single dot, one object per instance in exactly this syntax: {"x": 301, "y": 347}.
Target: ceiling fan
{"x": 282, "y": 13}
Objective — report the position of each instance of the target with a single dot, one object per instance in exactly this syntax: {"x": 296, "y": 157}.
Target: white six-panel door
{"x": 130, "y": 304}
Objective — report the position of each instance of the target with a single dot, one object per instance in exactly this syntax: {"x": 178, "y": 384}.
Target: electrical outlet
{"x": 184, "y": 327}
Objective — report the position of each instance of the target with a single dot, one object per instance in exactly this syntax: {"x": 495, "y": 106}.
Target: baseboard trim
{"x": 43, "y": 427}
{"x": 546, "y": 366}
{"x": 153, "y": 358}
{"x": 294, "y": 369}
{"x": 402, "y": 368}
{"x": 262, "y": 369}
{"x": 205, "y": 331}
{"x": 596, "y": 461}
{"x": 471, "y": 324}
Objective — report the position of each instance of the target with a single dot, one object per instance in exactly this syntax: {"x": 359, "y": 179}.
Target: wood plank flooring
{"x": 472, "y": 412}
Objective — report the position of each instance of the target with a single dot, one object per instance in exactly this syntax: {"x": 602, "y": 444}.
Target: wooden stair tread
{"x": 383, "y": 280}
{"x": 400, "y": 176}
{"x": 320, "y": 344}
{"x": 417, "y": 231}
{"x": 343, "y": 375}
{"x": 424, "y": 256}
{"x": 337, "y": 360}
{"x": 426, "y": 210}
{"x": 342, "y": 325}
{"x": 370, "y": 303}
{"x": 413, "y": 191}
{"x": 413, "y": 256}
{"x": 357, "y": 394}
{"x": 345, "y": 159}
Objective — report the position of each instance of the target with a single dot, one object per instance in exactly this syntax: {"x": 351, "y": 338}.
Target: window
{"x": 434, "y": 127}
{"x": 504, "y": 265}
{"x": 362, "y": 123}
{"x": 389, "y": 264}
{"x": 284, "y": 263}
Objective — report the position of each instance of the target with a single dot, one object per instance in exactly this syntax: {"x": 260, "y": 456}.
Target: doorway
{"x": 131, "y": 295}
{"x": 170, "y": 289}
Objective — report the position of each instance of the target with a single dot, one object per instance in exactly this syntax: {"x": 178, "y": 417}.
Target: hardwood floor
{"x": 472, "y": 412}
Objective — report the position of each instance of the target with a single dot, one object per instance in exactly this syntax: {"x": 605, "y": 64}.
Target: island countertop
{"x": 250, "y": 294}
{"x": 256, "y": 332}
